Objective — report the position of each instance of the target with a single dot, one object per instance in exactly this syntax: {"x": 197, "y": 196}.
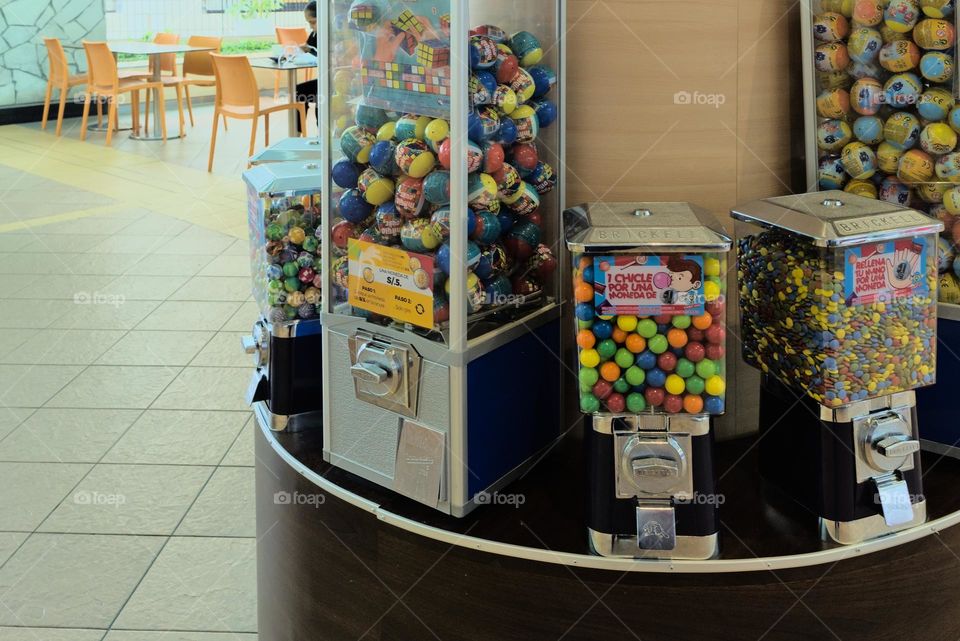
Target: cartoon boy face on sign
{"x": 685, "y": 274}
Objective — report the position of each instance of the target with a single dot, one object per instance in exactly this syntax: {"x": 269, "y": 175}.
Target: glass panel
{"x": 651, "y": 332}
{"x": 840, "y": 325}
{"x": 392, "y": 70}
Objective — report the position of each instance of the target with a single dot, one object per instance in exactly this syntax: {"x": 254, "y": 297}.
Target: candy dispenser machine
{"x": 296, "y": 149}
{"x": 284, "y": 202}
{"x": 443, "y": 126}
{"x": 649, "y": 282}
{"x": 838, "y": 311}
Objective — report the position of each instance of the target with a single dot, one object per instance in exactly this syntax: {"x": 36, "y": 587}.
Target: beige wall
{"x": 627, "y": 139}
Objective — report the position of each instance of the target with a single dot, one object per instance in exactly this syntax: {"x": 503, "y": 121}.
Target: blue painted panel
{"x": 514, "y": 407}
{"x": 938, "y": 406}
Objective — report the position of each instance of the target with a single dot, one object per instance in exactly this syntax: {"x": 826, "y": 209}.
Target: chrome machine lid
{"x": 836, "y": 218}
{"x": 289, "y": 149}
{"x": 284, "y": 178}
{"x": 619, "y": 227}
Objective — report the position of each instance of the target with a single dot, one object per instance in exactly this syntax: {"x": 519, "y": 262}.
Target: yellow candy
{"x": 676, "y": 385}
{"x": 715, "y": 386}
{"x": 627, "y": 323}
{"x": 711, "y": 291}
{"x": 711, "y": 267}
{"x": 589, "y": 358}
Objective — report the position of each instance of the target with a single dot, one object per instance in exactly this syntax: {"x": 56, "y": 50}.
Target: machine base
{"x": 625, "y": 547}
{"x": 871, "y": 527}
{"x": 287, "y": 423}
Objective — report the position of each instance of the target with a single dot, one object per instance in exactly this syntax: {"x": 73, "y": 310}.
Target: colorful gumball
{"x": 830, "y": 26}
{"x": 389, "y": 222}
{"x": 831, "y": 56}
{"x": 504, "y": 99}
{"x": 436, "y": 187}
{"x": 345, "y": 173}
{"x": 508, "y": 132}
{"x": 481, "y": 87}
{"x": 342, "y": 232}
{"x": 902, "y": 130}
{"x": 546, "y": 111}
{"x": 527, "y": 48}
{"x": 525, "y": 157}
{"x": 938, "y": 138}
{"x": 483, "y": 52}
{"x": 935, "y": 34}
{"x": 899, "y": 55}
{"x": 524, "y": 201}
{"x": 833, "y": 135}
{"x": 409, "y": 197}
{"x": 901, "y": 15}
{"x": 864, "y": 44}
{"x": 506, "y": 65}
{"x": 383, "y": 158}
{"x": 417, "y": 235}
{"x": 377, "y": 189}
{"x": 487, "y": 229}
{"x": 411, "y": 126}
{"x": 355, "y": 143}
{"x": 484, "y": 123}
{"x": 915, "y": 166}
{"x": 523, "y": 85}
{"x": 868, "y": 130}
{"x": 508, "y": 180}
{"x": 937, "y": 66}
{"x": 859, "y": 160}
{"x": 935, "y": 104}
{"x": 354, "y": 207}
{"x": 414, "y": 158}
{"x": 544, "y": 78}
{"x": 482, "y": 193}
{"x": 436, "y": 132}
{"x": 866, "y": 97}
{"x": 543, "y": 178}
{"x": 493, "y": 157}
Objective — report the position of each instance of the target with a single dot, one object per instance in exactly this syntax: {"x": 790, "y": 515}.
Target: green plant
{"x": 248, "y": 9}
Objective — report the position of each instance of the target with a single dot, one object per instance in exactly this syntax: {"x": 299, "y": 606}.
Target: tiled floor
{"x": 126, "y": 450}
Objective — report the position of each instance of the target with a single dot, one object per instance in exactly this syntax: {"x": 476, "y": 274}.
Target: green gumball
{"x": 658, "y": 344}
{"x": 589, "y": 403}
{"x": 621, "y": 386}
{"x": 606, "y": 348}
{"x": 635, "y": 375}
{"x": 695, "y": 385}
{"x": 624, "y": 358}
{"x": 636, "y": 403}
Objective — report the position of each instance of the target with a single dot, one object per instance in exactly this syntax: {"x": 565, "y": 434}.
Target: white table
{"x": 153, "y": 51}
{"x": 291, "y": 68}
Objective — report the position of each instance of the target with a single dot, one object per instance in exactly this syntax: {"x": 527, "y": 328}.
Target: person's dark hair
{"x": 311, "y": 8}
{"x": 679, "y": 264}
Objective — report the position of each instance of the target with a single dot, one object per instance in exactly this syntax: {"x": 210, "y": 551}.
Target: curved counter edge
{"x": 827, "y": 556}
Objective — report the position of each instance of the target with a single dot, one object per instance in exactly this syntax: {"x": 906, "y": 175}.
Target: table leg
{"x": 104, "y": 128}
{"x": 292, "y": 114}
{"x": 158, "y": 111}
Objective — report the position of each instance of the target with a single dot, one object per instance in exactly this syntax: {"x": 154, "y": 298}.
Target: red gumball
{"x": 526, "y": 156}
{"x": 667, "y": 361}
{"x": 715, "y": 351}
{"x": 716, "y": 334}
{"x": 443, "y": 154}
{"x": 342, "y": 232}
{"x": 507, "y": 69}
{"x": 616, "y": 403}
{"x": 654, "y": 396}
{"x": 535, "y": 218}
{"x": 694, "y": 351}
{"x": 493, "y": 157}
{"x": 672, "y": 403}
{"x": 602, "y": 389}
{"x": 715, "y": 309}
{"x": 306, "y": 275}
{"x": 694, "y": 334}
{"x": 662, "y": 319}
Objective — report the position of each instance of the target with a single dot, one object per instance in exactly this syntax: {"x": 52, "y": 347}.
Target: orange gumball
{"x": 677, "y": 337}
{"x": 618, "y": 335}
{"x": 636, "y": 343}
{"x": 583, "y": 292}
{"x": 610, "y": 371}
{"x": 702, "y": 322}
{"x": 692, "y": 404}
{"x": 585, "y": 261}
{"x": 586, "y": 339}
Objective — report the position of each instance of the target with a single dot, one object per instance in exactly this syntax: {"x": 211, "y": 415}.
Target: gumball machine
{"x": 295, "y": 149}
{"x": 838, "y": 311}
{"x": 649, "y": 281}
{"x": 284, "y": 202}
{"x": 441, "y": 315}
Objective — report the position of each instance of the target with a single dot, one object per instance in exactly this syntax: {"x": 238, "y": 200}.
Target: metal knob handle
{"x": 369, "y": 373}
{"x": 897, "y": 446}
{"x": 249, "y": 344}
{"x": 655, "y": 467}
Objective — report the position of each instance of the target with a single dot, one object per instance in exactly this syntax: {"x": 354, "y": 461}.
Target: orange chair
{"x": 59, "y": 78}
{"x": 288, "y": 37}
{"x": 105, "y": 83}
{"x": 200, "y": 65}
{"x": 168, "y": 74}
{"x": 239, "y": 97}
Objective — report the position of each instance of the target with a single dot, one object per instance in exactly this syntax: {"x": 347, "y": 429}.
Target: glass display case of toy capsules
{"x": 284, "y": 204}
{"x": 443, "y": 130}
{"x": 289, "y": 150}
{"x": 838, "y": 311}
{"x": 880, "y": 101}
{"x": 649, "y": 285}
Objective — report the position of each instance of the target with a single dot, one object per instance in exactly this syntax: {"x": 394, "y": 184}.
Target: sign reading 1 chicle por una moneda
{"x": 644, "y": 285}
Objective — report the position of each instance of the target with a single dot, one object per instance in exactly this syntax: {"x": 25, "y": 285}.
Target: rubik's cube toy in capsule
{"x": 362, "y": 15}
{"x": 433, "y": 53}
{"x": 408, "y": 24}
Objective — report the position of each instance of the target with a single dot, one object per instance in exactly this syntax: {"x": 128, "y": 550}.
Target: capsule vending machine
{"x": 649, "y": 280}
{"x": 283, "y": 200}
{"x": 443, "y": 123}
{"x": 838, "y": 311}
